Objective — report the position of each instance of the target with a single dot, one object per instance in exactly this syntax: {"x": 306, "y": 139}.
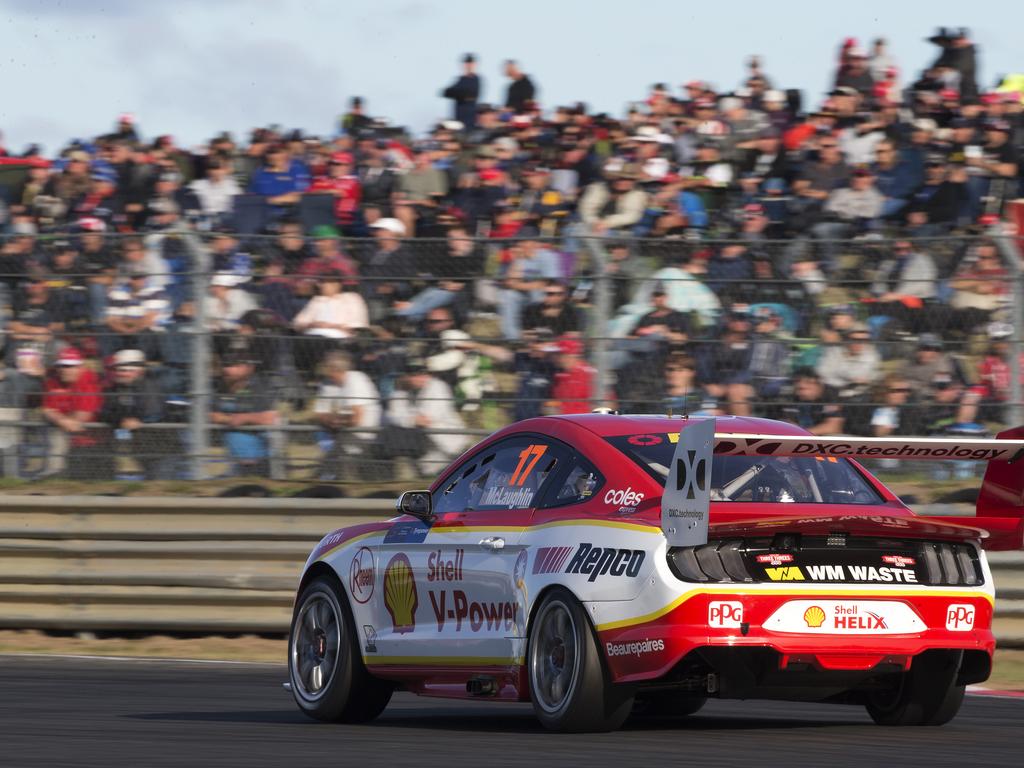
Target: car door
{"x": 449, "y": 593}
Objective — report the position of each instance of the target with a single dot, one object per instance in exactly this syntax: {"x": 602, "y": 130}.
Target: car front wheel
{"x": 569, "y": 685}
{"x": 328, "y": 678}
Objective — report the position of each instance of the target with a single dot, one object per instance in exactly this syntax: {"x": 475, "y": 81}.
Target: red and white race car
{"x": 601, "y": 564}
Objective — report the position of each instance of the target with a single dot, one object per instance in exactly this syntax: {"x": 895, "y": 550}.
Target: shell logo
{"x": 400, "y": 597}
{"x": 814, "y": 616}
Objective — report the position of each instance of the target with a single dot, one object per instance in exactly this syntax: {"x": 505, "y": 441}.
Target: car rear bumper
{"x": 840, "y": 630}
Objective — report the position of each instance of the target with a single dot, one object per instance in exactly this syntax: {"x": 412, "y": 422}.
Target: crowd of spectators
{"x": 749, "y": 249}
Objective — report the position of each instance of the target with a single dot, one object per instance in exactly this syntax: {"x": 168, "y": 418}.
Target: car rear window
{"x": 785, "y": 479}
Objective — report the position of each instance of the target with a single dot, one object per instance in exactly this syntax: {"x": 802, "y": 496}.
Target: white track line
{"x": 146, "y": 659}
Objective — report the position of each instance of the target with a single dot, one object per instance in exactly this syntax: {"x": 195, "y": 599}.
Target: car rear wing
{"x": 999, "y": 511}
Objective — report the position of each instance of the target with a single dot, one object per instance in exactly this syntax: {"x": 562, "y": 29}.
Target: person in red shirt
{"x": 994, "y": 375}
{"x": 342, "y": 182}
{"x": 71, "y": 400}
{"x": 573, "y": 386}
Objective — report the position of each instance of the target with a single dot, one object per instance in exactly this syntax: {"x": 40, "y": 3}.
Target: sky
{"x": 192, "y": 68}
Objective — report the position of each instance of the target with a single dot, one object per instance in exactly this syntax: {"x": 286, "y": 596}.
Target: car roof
{"x": 613, "y": 424}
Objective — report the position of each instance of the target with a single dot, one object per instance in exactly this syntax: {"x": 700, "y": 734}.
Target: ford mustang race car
{"x": 601, "y": 564}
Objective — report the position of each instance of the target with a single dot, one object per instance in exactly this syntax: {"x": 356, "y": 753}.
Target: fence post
{"x": 199, "y": 370}
{"x": 597, "y": 328}
{"x": 1012, "y": 258}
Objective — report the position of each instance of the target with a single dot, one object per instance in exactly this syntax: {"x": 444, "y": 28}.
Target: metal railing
{"x": 152, "y": 564}
{"x": 456, "y": 350}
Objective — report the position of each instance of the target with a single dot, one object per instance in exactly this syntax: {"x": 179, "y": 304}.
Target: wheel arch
{"x": 539, "y": 599}
{"x": 315, "y": 571}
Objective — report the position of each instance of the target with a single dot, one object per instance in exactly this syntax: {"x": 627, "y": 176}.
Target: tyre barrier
{"x": 205, "y": 565}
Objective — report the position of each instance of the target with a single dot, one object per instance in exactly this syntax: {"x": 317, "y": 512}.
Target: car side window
{"x": 508, "y": 475}
{"x": 581, "y": 484}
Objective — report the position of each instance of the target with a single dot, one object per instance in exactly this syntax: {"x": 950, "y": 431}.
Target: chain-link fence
{"x": 185, "y": 355}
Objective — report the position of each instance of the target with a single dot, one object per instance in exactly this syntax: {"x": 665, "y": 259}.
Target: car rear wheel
{"x": 569, "y": 685}
{"x": 328, "y": 678}
{"x": 927, "y": 694}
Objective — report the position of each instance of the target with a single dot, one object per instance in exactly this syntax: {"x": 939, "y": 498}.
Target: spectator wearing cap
{"x": 929, "y": 360}
{"x": 545, "y": 206}
{"x": 762, "y": 157}
{"x": 856, "y": 74}
{"x": 132, "y": 400}
{"x": 452, "y": 275}
{"x": 355, "y": 120}
{"x": 663, "y": 324}
{"x": 420, "y": 191}
{"x": 226, "y": 302}
{"x": 555, "y": 312}
{"x": 278, "y": 181}
{"x": 71, "y": 401}
{"x": 992, "y": 169}
{"x": 226, "y": 255}
{"x": 941, "y": 200}
{"x": 347, "y": 400}
{"x": 572, "y": 390}
{"x": 848, "y": 211}
{"x": 723, "y": 365}
{"x": 995, "y": 375}
{"x": 521, "y": 91}
{"x": 770, "y": 357}
{"x": 422, "y": 422}
{"x": 242, "y": 405}
{"x": 390, "y": 270}
{"x": 641, "y": 357}
{"x": 686, "y": 290}
{"x": 33, "y": 326}
{"x": 465, "y": 92}
{"x": 613, "y": 206}
{"x": 327, "y": 256}
{"x": 73, "y": 182}
{"x": 101, "y": 200}
{"x": 880, "y": 62}
{"x": 818, "y": 178}
{"x": 67, "y": 284}
{"x": 378, "y": 176}
{"x": 217, "y": 191}
{"x": 958, "y": 55}
{"x": 852, "y": 366}
{"x": 342, "y": 182}
{"x": 815, "y": 405}
{"x": 137, "y": 311}
{"x": 532, "y": 266}
{"x": 96, "y": 256}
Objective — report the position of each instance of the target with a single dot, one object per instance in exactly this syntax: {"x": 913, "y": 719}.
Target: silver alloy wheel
{"x": 554, "y": 657}
{"x": 316, "y": 639}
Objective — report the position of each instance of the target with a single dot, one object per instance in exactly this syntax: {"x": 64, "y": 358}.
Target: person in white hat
{"x": 226, "y": 302}
{"x": 390, "y": 269}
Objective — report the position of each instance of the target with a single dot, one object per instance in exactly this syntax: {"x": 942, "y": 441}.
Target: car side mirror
{"x": 416, "y": 503}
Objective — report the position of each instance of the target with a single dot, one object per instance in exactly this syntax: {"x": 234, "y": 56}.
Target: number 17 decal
{"x": 536, "y": 451}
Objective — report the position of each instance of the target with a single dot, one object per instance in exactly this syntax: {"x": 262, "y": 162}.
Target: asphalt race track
{"x": 94, "y": 712}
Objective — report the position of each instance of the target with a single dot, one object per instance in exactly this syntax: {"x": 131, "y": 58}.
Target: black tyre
{"x": 668, "y": 704}
{"x": 328, "y": 678}
{"x": 925, "y": 695}
{"x": 569, "y": 685}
